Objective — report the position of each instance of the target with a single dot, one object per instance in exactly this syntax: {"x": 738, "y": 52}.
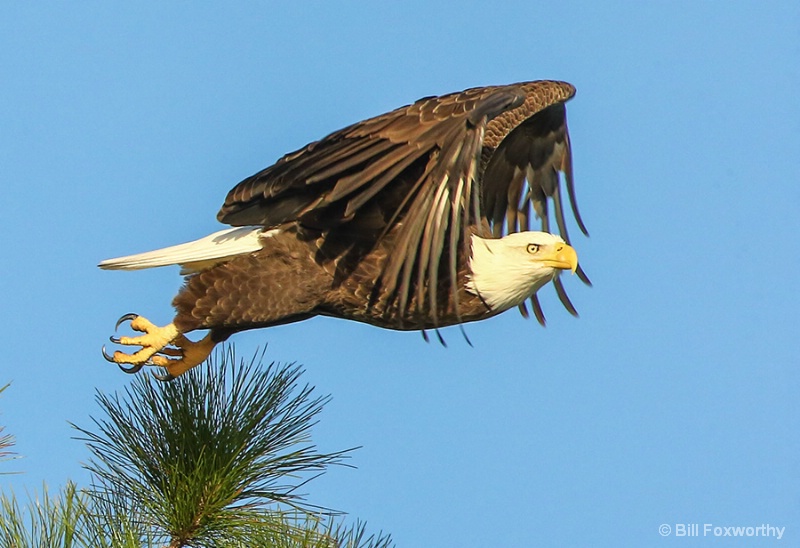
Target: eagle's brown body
{"x": 293, "y": 279}
{"x": 373, "y": 222}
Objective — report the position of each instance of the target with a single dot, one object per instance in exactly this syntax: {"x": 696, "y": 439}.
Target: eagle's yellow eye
{"x": 533, "y": 248}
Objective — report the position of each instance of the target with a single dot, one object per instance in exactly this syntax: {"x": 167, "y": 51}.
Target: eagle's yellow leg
{"x": 156, "y": 347}
{"x": 189, "y": 354}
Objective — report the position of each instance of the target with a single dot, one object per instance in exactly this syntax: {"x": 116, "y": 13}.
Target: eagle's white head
{"x": 506, "y": 271}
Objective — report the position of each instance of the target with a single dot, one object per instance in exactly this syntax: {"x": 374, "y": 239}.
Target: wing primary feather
{"x": 525, "y": 216}
{"x": 536, "y": 196}
{"x": 435, "y": 257}
{"x": 500, "y": 204}
{"x": 411, "y": 194}
{"x": 471, "y": 195}
{"x": 515, "y": 191}
{"x": 566, "y": 168}
{"x": 512, "y": 222}
{"x": 427, "y": 247}
{"x": 379, "y": 146}
{"x": 408, "y": 252}
{"x": 469, "y": 203}
{"x": 299, "y": 166}
{"x": 537, "y": 310}
{"x": 497, "y": 230}
{"x": 545, "y": 218}
{"x": 562, "y": 225}
{"x": 562, "y": 296}
{"x": 387, "y": 164}
{"x": 423, "y": 251}
{"x": 474, "y": 197}
{"x": 582, "y": 276}
{"x": 452, "y": 251}
{"x": 291, "y": 168}
{"x": 461, "y": 220}
{"x": 464, "y": 334}
{"x": 377, "y": 185}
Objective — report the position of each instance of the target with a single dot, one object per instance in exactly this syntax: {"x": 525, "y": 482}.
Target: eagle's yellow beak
{"x": 563, "y": 256}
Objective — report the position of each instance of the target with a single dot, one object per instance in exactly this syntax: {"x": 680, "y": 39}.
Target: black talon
{"x": 164, "y": 378}
{"x": 106, "y": 356}
{"x": 125, "y": 318}
{"x": 114, "y": 340}
{"x": 132, "y": 369}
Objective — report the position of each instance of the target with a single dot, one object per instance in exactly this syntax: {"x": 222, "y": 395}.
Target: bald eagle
{"x": 413, "y": 220}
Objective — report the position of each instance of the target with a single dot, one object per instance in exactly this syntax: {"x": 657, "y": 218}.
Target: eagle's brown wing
{"x": 435, "y": 169}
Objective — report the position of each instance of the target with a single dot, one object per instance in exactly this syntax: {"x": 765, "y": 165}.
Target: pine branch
{"x": 205, "y": 455}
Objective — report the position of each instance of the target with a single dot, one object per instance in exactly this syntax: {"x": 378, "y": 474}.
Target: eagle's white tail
{"x": 197, "y": 255}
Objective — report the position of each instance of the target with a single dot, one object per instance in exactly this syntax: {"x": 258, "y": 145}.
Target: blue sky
{"x": 672, "y": 399}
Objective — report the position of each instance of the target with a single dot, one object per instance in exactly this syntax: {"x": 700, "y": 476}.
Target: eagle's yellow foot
{"x": 187, "y": 355}
{"x": 154, "y": 340}
{"x": 155, "y": 348}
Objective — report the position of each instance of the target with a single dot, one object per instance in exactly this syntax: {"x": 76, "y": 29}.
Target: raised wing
{"x": 434, "y": 170}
